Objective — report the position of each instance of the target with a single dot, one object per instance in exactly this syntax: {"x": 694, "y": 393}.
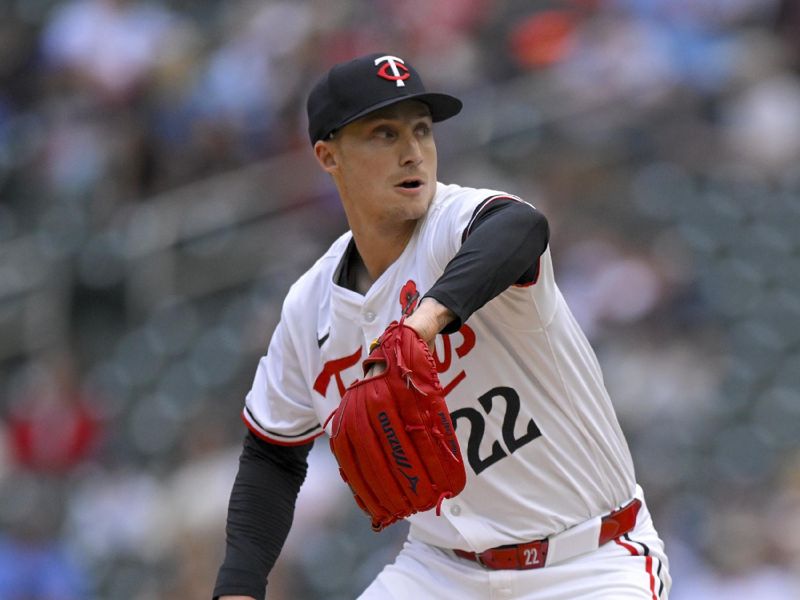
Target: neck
{"x": 380, "y": 248}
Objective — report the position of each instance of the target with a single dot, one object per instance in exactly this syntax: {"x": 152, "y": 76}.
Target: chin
{"x": 409, "y": 211}
{"x": 420, "y": 206}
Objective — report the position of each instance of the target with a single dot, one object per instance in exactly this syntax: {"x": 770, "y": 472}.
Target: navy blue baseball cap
{"x": 352, "y": 89}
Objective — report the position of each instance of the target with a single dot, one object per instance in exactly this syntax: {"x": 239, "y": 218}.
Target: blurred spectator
{"x": 110, "y": 45}
{"x": 739, "y": 569}
{"x": 631, "y": 58}
{"x": 543, "y": 38}
{"x": 249, "y": 78}
{"x": 34, "y": 562}
{"x": 762, "y": 124}
{"x": 788, "y": 24}
{"x": 38, "y": 570}
{"x": 607, "y": 285}
{"x": 438, "y": 35}
{"x": 52, "y": 426}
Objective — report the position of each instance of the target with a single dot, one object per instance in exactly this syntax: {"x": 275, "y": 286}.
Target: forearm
{"x": 502, "y": 249}
{"x": 259, "y": 515}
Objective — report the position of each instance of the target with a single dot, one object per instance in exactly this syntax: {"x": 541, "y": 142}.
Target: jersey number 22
{"x": 478, "y": 428}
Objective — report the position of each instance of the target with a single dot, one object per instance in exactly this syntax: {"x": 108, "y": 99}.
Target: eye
{"x": 384, "y": 132}
{"x": 423, "y": 129}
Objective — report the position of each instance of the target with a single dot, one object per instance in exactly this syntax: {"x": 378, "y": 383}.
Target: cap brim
{"x": 442, "y": 107}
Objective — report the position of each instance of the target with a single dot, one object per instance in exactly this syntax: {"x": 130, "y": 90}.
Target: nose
{"x": 411, "y": 154}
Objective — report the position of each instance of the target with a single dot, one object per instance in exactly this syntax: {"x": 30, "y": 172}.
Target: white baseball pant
{"x": 632, "y": 567}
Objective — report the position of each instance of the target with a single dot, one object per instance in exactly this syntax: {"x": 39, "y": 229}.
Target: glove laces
{"x": 442, "y": 497}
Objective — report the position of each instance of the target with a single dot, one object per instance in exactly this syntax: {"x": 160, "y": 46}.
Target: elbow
{"x": 537, "y": 231}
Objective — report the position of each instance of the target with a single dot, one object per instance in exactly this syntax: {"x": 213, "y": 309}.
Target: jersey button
{"x": 369, "y": 316}
{"x": 455, "y": 510}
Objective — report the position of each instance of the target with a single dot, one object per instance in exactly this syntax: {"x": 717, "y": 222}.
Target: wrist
{"x": 430, "y": 317}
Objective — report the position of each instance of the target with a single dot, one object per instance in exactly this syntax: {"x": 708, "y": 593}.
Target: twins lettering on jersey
{"x": 447, "y": 354}
{"x": 334, "y": 369}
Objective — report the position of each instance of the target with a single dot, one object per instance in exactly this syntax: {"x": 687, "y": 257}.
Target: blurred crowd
{"x": 155, "y": 206}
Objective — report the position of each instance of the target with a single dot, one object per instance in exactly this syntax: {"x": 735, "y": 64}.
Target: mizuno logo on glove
{"x": 399, "y": 455}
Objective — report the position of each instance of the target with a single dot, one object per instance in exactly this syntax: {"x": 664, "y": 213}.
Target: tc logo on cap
{"x": 399, "y": 71}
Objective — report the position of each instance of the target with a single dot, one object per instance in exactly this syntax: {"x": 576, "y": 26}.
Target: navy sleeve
{"x": 260, "y": 514}
{"x": 501, "y": 247}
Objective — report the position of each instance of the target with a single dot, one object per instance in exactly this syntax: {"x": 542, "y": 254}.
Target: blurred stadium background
{"x": 158, "y": 197}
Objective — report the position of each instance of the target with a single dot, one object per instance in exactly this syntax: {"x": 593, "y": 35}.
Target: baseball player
{"x": 551, "y": 508}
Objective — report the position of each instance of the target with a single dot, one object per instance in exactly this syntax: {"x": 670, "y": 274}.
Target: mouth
{"x": 411, "y": 183}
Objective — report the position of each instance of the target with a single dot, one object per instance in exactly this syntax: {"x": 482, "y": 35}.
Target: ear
{"x": 326, "y": 156}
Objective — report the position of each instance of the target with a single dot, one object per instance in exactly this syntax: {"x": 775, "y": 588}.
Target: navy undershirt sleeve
{"x": 501, "y": 248}
{"x": 260, "y": 514}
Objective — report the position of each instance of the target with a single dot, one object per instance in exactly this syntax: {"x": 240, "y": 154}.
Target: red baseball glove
{"x": 392, "y": 433}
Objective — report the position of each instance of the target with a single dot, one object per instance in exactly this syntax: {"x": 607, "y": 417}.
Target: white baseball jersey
{"x": 541, "y": 443}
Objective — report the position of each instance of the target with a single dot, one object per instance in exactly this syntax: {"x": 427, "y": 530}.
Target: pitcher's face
{"x": 384, "y": 164}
